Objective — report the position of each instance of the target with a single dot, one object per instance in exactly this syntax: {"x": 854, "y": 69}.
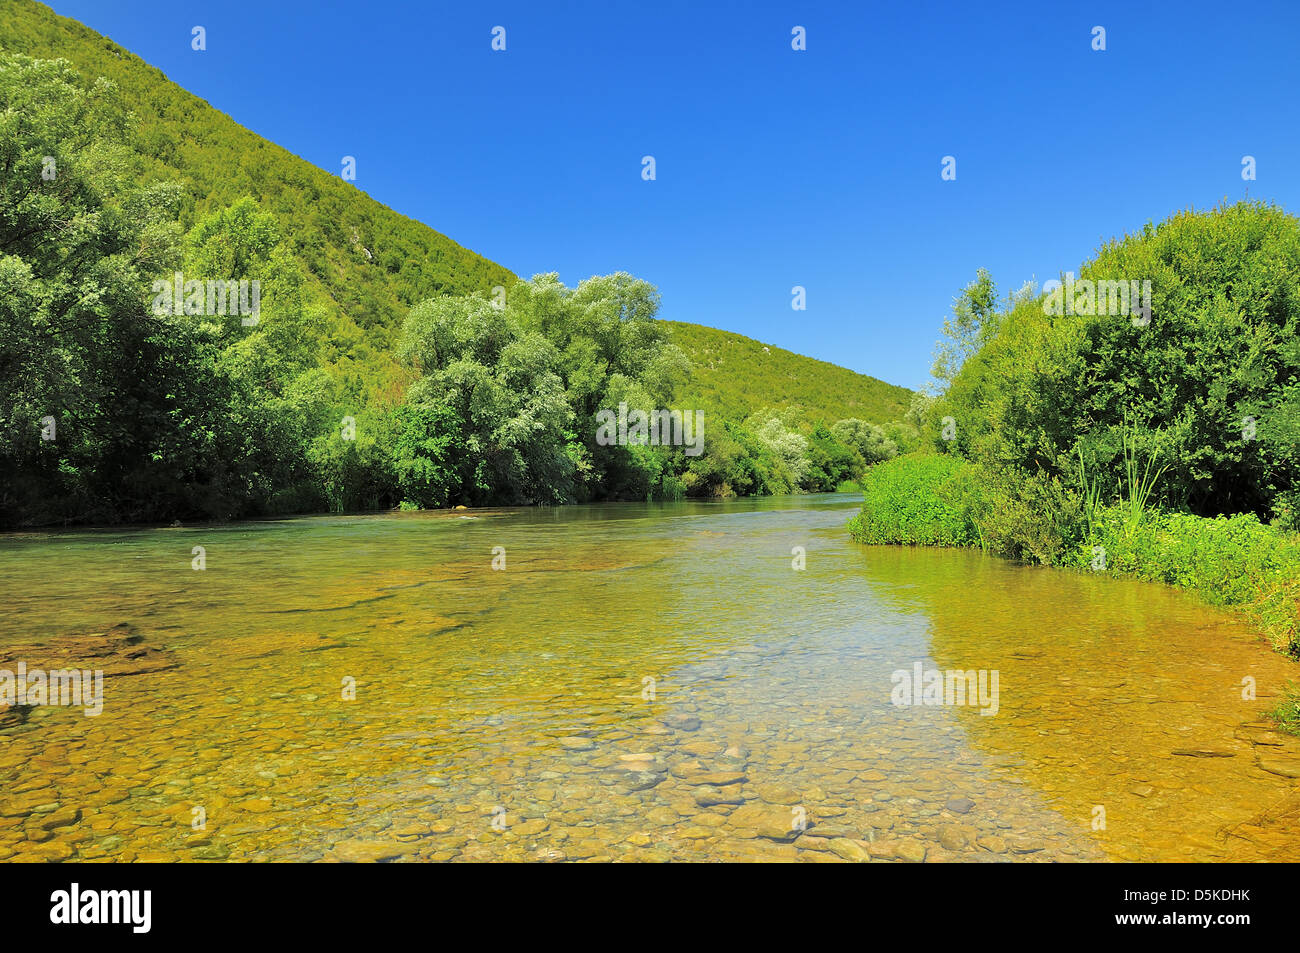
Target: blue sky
{"x": 775, "y": 168}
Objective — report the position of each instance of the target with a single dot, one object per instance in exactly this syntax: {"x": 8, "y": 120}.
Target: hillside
{"x": 368, "y": 262}
{"x": 737, "y": 375}
{"x": 375, "y": 372}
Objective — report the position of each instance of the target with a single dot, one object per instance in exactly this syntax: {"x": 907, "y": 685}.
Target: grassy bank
{"x": 1237, "y": 561}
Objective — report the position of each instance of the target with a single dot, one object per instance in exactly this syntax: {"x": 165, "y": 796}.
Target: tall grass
{"x": 1141, "y": 479}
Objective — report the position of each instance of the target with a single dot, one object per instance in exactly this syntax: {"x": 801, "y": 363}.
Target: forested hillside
{"x": 736, "y": 375}
{"x": 195, "y": 323}
{"x": 366, "y": 263}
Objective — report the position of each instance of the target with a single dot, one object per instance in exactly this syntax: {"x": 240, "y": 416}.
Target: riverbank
{"x": 1237, "y": 561}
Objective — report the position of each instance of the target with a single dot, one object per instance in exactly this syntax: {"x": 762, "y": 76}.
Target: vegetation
{"x": 1160, "y": 444}
{"x": 364, "y": 264}
{"x": 386, "y": 365}
{"x": 734, "y": 374}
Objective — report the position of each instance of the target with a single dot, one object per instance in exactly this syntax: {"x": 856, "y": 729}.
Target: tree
{"x": 974, "y": 319}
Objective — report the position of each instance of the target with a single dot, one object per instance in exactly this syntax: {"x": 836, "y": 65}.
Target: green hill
{"x": 737, "y": 375}
{"x": 376, "y": 371}
{"x": 369, "y": 264}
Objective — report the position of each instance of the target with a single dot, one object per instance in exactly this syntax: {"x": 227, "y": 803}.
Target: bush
{"x": 1031, "y": 517}
{"x": 1209, "y": 383}
{"x": 923, "y": 500}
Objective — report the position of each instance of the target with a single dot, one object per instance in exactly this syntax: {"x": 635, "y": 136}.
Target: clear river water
{"x": 630, "y": 682}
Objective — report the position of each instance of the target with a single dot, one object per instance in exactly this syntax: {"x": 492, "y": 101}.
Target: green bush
{"x": 1210, "y": 384}
{"x": 923, "y": 500}
{"x": 1027, "y": 516}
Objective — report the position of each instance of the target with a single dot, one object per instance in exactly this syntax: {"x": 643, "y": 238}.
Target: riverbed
{"x": 677, "y": 681}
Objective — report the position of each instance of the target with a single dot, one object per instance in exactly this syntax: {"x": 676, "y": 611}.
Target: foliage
{"x": 377, "y": 371}
{"x": 1211, "y": 384}
{"x": 366, "y": 264}
{"x": 733, "y": 375}
{"x": 924, "y": 500}
{"x": 872, "y": 443}
{"x": 1287, "y": 712}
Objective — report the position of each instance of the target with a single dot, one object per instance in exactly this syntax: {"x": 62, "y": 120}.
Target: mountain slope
{"x": 737, "y": 375}
{"x": 369, "y": 264}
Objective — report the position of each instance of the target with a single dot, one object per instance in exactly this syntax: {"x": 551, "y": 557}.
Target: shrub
{"x": 924, "y": 499}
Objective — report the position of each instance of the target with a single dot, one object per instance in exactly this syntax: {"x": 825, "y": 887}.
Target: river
{"x": 630, "y": 682}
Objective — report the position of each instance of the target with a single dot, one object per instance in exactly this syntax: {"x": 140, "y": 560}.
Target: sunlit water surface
{"x": 640, "y": 682}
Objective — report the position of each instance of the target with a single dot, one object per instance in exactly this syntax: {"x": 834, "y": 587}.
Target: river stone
{"x": 911, "y": 851}
{"x": 577, "y": 744}
{"x": 706, "y": 795}
{"x": 64, "y": 817}
{"x": 640, "y": 781}
{"x": 1283, "y": 765}
{"x": 960, "y": 805}
{"x": 1257, "y": 735}
{"x": 681, "y": 722}
{"x": 773, "y": 823}
{"x": 778, "y": 794}
{"x": 901, "y": 848}
{"x": 953, "y": 838}
{"x": 834, "y": 831}
{"x": 531, "y": 828}
{"x": 115, "y": 652}
{"x": 366, "y": 852}
{"x": 849, "y": 850}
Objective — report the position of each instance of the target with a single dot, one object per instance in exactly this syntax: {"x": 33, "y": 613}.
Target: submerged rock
{"x": 116, "y": 652}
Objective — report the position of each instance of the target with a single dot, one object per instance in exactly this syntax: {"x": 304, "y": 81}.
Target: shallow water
{"x": 639, "y": 682}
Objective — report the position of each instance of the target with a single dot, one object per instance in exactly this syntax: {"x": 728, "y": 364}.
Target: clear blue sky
{"x": 775, "y": 168}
